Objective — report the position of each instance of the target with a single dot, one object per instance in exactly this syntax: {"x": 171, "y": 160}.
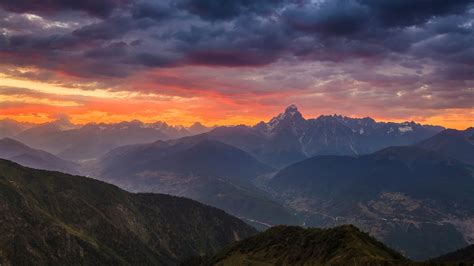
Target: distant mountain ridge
{"x": 405, "y": 196}
{"x": 284, "y": 139}
{"x": 289, "y": 137}
{"x": 10, "y": 127}
{"x": 200, "y": 168}
{"x": 20, "y": 153}
{"x": 458, "y": 144}
{"x": 92, "y": 140}
{"x": 50, "y": 218}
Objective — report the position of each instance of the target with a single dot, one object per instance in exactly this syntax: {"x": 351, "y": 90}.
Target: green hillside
{"x": 289, "y": 245}
{"x": 54, "y": 218}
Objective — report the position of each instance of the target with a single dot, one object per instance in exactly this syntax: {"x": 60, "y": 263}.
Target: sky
{"x": 236, "y": 62}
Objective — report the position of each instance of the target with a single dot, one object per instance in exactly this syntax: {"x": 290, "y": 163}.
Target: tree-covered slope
{"x": 464, "y": 255}
{"x": 54, "y": 218}
{"x": 290, "y": 245}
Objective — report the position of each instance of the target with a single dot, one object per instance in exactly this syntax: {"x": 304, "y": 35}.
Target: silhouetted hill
{"x": 286, "y": 245}
{"x": 464, "y": 255}
{"x": 196, "y": 167}
{"x": 10, "y": 127}
{"x": 54, "y": 218}
{"x": 75, "y": 142}
{"x": 458, "y": 144}
{"x": 20, "y": 153}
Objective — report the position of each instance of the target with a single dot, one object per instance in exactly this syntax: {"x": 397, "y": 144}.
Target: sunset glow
{"x": 126, "y": 65}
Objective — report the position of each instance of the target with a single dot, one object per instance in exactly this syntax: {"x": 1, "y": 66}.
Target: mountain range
{"x": 284, "y": 139}
{"x": 10, "y": 127}
{"x": 322, "y": 172}
{"x": 458, "y": 144}
{"x": 288, "y": 137}
{"x": 199, "y": 168}
{"x": 49, "y": 218}
{"x": 54, "y": 218}
{"x": 20, "y": 153}
{"x": 84, "y": 142}
{"x": 417, "y": 201}
{"x": 227, "y": 168}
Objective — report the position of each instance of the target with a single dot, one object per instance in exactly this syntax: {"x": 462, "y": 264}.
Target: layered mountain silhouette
{"x": 458, "y": 144}
{"x": 54, "y": 218}
{"x": 197, "y": 156}
{"x": 288, "y": 137}
{"x": 10, "y": 128}
{"x": 325, "y": 171}
{"x": 92, "y": 140}
{"x": 20, "y": 153}
{"x": 199, "y": 168}
{"x": 419, "y": 202}
{"x": 287, "y": 245}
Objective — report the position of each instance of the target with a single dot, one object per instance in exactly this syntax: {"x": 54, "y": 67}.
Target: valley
{"x": 237, "y": 132}
{"x": 393, "y": 193}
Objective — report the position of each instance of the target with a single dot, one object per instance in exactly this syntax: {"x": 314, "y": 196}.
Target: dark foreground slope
{"x": 465, "y": 255}
{"x": 54, "y": 218}
{"x": 289, "y": 245}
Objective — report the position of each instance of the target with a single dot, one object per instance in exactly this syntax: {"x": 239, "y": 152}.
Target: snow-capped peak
{"x": 291, "y": 117}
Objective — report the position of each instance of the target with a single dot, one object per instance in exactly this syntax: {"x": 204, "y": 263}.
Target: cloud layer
{"x": 393, "y": 59}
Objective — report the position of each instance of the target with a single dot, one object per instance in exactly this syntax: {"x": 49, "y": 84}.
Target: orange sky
{"x": 38, "y": 102}
{"x": 236, "y": 64}
{"x": 209, "y": 110}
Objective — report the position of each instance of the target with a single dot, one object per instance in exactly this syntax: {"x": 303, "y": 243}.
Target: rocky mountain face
{"x": 458, "y": 144}
{"x": 288, "y": 245}
{"x": 288, "y": 137}
{"x": 285, "y": 139}
{"x": 18, "y": 152}
{"x": 49, "y": 218}
{"x": 199, "y": 168}
{"x": 417, "y": 201}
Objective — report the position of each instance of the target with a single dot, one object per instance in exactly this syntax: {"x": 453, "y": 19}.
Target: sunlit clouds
{"x": 186, "y": 61}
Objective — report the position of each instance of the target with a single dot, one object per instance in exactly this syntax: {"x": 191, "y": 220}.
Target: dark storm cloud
{"x": 223, "y": 10}
{"x": 153, "y": 10}
{"x": 249, "y": 42}
{"x": 402, "y": 13}
{"x": 330, "y": 18}
{"x": 105, "y": 30}
{"x": 100, "y": 8}
{"x": 154, "y": 60}
{"x": 260, "y": 32}
{"x": 110, "y": 51}
{"x": 30, "y": 42}
{"x": 146, "y": 34}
